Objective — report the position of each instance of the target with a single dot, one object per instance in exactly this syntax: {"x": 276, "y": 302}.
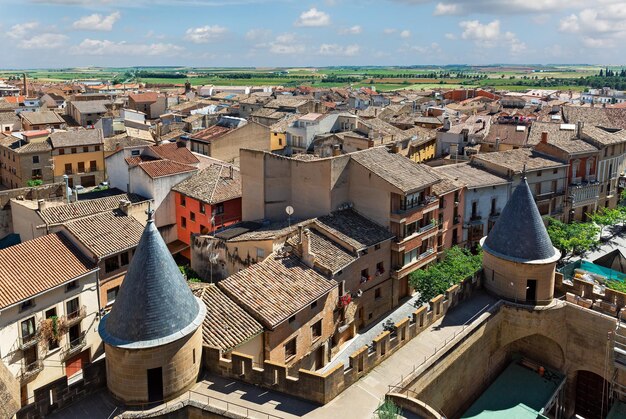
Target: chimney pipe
{"x": 544, "y": 137}
{"x": 41, "y": 204}
{"x": 498, "y": 144}
{"x": 25, "y": 85}
{"x": 300, "y": 229}
{"x": 579, "y": 129}
{"x": 307, "y": 255}
{"x": 124, "y": 205}
{"x": 230, "y": 171}
{"x": 336, "y": 150}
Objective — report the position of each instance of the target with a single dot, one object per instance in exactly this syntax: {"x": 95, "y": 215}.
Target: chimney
{"x": 300, "y": 229}
{"x": 41, "y": 204}
{"x": 446, "y": 124}
{"x": 124, "y": 205}
{"x": 498, "y": 144}
{"x": 307, "y": 255}
{"x": 75, "y": 195}
{"x": 336, "y": 150}
{"x": 544, "y": 137}
{"x": 25, "y": 85}
{"x": 230, "y": 171}
{"x": 180, "y": 144}
{"x": 579, "y": 129}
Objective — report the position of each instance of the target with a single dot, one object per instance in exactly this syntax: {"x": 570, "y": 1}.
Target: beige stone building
{"x": 25, "y": 156}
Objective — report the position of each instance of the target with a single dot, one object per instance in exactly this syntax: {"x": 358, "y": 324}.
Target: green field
{"x": 384, "y": 78}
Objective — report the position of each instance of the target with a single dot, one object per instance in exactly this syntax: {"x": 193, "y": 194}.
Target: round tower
{"x": 152, "y": 335}
{"x": 519, "y": 260}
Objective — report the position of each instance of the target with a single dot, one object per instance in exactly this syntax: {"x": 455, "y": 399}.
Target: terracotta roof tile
{"x": 211, "y": 133}
{"x": 276, "y": 288}
{"x": 175, "y": 153}
{"x": 217, "y": 183}
{"x": 328, "y": 254}
{"x": 161, "y": 168}
{"x": 146, "y": 97}
{"x": 82, "y": 137}
{"x": 37, "y": 265}
{"x": 63, "y": 213}
{"x": 226, "y": 325}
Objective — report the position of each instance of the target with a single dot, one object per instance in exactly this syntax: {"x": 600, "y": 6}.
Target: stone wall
{"x": 323, "y": 387}
{"x": 582, "y": 293}
{"x": 53, "y": 191}
{"x": 9, "y": 392}
{"x": 64, "y": 394}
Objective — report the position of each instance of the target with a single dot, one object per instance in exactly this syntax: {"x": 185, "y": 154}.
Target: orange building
{"x": 207, "y": 201}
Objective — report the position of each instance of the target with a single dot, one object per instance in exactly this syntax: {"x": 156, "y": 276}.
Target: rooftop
{"x": 470, "y": 176}
{"x": 395, "y": 169}
{"x": 37, "y": 265}
{"x": 328, "y": 254}
{"x": 210, "y": 133}
{"x": 560, "y": 137}
{"x": 517, "y": 159}
{"x": 226, "y": 325}
{"x": 217, "y": 183}
{"x": 91, "y": 106}
{"x": 276, "y": 288}
{"x": 176, "y": 152}
{"x": 161, "y": 168}
{"x": 146, "y": 97}
{"x": 76, "y": 138}
{"x": 507, "y": 134}
{"x": 353, "y": 228}
{"x": 42, "y": 118}
{"x": 106, "y": 233}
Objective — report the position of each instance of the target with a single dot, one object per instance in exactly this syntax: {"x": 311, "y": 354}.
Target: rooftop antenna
{"x": 150, "y": 212}
{"x": 289, "y": 211}
{"x": 524, "y": 172}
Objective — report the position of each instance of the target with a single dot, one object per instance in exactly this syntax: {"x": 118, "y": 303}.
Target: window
{"x": 85, "y": 149}
{"x": 61, "y": 151}
{"x": 28, "y": 329}
{"x": 35, "y": 159}
{"x": 81, "y": 167}
{"x": 52, "y": 313}
{"x": 135, "y": 152}
{"x": 71, "y": 308}
{"x": 111, "y": 294}
{"x": 93, "y": 166}
{"x": 380, "y": 268}
{"x": 290, "y": 349}
{"x": 74, "y": 150}
{"x": 192, "y": 216}
{"x": 316, "y": 330}
{"x": 377, "y": 294}
{"x": 203, "y": 229}
{"x": 219, "y": 209}
{"x": 260, "y": 253}
{"x": 124, "y": 259}
{"x": 68, "y": 168}
{"x": 111, "y": 264}
{"x": 202, "y": 208}
{"x": 27, "y": 304}
{"x": 555, "y": 171}
{"x": 183, "y": 201}
{"x": 539, "y": 173}
{"x": 36, "y": 174}
{"x": 71, "y": 285}
{"x": 377, "y": 247}
{"x": 292, "y": 319}
{"x": 183, "y": 222}
{"x": 313, "y": 305}
{"x": 365, "y": 275}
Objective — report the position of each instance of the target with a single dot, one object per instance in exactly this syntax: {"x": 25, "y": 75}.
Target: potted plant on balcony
{"x": 52, "y": 328}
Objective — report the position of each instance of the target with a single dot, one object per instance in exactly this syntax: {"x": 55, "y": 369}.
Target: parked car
{"x": 79, "y": 188}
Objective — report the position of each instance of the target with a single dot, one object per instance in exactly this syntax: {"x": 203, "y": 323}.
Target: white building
{"x": 49, "y": 312}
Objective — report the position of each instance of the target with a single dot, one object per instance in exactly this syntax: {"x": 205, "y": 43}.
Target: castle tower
{"x": 519, "y": 260}
{"x": 153, "y": 335}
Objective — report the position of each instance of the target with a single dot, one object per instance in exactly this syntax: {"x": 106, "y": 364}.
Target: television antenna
{"x": 289, "y": 211}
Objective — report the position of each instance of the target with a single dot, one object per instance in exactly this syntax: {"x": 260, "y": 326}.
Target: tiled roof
{"x": 507, "y": 134}
{"x": 123, "y": 140}
{"x": 44, "y": 117}
{"x": 395, "y": 169}
{"x": 63, "y": 213}
{"x": 446, "y": 185}
{"x": 226, "y": 325}
{"x": 173, "y": 152}
{"x": 217, "y": 183}
{"x": 37, "y": 265}
{"x": 472, "y": 177}
{"x": 146, "y": 97}
{"x": 76, "y": 138}
{"x": 256, "y": 231}
{"x": 91, "y": 106}
{"x": 161, "y": 168}
{"x": 210, "y": 133}
{"x": 328, "y": 254}
{"x": 515, "y": 160}
{"x": 603, "y": 117}
{"x": 19, "y": 146}
{"x": 560, "y": 138}
{"x": 353, "y": 228}
{"x": 106, "y": 233}
{"x": 604, "y": 137}
{"x": 275, "y": 289}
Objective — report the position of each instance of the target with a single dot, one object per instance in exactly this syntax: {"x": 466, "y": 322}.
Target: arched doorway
{"x": 592, "y": 395}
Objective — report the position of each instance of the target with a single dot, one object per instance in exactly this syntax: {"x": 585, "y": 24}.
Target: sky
{"x": 286, "y": 33}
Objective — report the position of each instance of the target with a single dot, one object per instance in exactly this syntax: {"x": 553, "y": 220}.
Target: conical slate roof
{"x": 519, "y": 234}
{"x": 154, "y": 305}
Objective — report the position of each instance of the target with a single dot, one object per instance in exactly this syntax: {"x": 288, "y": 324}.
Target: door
{"x": 87, "y": 181}
{"x": 404, "y": 287}
{"x": 531, "y": 290}
{"x": 155, "y": 384}
{"x": 76, "y": 363}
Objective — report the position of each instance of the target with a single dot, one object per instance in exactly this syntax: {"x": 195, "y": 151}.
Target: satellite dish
{"x": 289, "y": 210}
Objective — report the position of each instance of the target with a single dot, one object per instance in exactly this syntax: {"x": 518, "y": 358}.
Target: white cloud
{"x": 598, "y": 42}
{"x": 97, "y": 22}
{"x": 603, "y": 27}
{"x": 353, "y": 30}
{"x": 433, "y": 48}
{"x": 22, "y": 29}
{"x": 334, "y": 49}
{"x": 476, "y": 31}
{"x": 43, "y": 41}
{"x": 106, "y": 47}
{"x": 443, "y": 9}
{"x": 283, "y": 44}
{"x": 450, "y": 36}
{"x": 389, "y": 31}
{"x": 313, "y": 18}
{"x": 405, "y": 34}
{"x": 205, "y": 34}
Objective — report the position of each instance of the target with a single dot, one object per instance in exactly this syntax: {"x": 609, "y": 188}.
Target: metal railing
{"x": 29, "y": 371}
{"x": 74, "y": 346}
{"x": 413, "y": 395}
{"x": 76, "y": 316}
{"x": 27, "y": 341}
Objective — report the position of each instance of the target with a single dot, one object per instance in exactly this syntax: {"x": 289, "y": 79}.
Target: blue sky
{"x": 68, "y": 33}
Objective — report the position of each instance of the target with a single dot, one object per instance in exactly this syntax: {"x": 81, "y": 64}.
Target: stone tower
{"x": 153, "y": 334}
{"x": 519, "y": 260}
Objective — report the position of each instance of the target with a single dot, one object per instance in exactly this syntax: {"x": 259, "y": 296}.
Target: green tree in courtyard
{"x": 574, "y": 238}
{"x": 388, "y": 410}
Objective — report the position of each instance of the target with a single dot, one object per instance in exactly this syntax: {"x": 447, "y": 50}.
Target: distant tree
{"x": 605, "y": 217}
{"x": 388, "y": 410}
{"x": 574, "y": 238}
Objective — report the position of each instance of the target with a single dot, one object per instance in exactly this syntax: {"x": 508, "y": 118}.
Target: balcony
{"x": 584, "y": 194}
{"x": 422, "y": 259}
{"x": 30, "y": 371}
{"x": 422, "y": 233}
{"x": 494, "y": 215}
{"x": 475, "y": 219}
{"x": 74, "y": 347}
{"x": 425, "y": 206}
{"x": 28, "y": 341}
{"x": 76, "y": 316}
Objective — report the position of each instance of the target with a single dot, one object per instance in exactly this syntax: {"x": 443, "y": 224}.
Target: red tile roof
{"x": 161, "y": 168}
{"x": 173, "y": 152}
{"x": 210, "y": 133}
{"x": 147, "y": 97}
{"x": 37, "y": 265}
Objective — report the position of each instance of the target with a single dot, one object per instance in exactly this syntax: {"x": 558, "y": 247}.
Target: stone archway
{"x": 592, "y": 395}
{"x": 539, "y": 348}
